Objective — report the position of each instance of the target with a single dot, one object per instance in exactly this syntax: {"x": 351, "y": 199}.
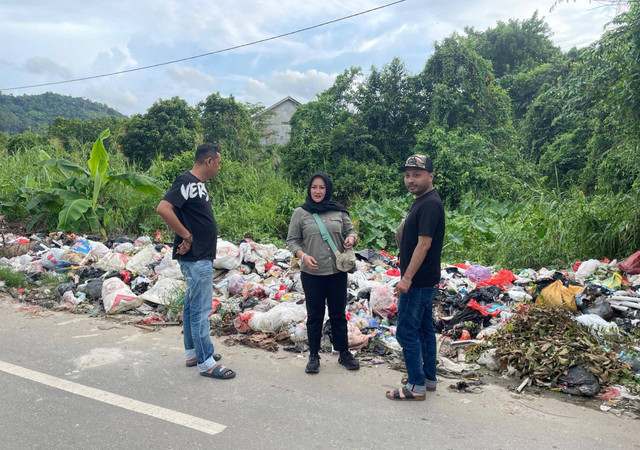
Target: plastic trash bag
{"x": 252, "y": 289}
{"x": 600, "y": 308}
{"x": 557, "y": 295}
{"x": 597, "y": 322}
{"x": 277, "y": 318}
{"x": 382, "y": 301}
{"x": 51, "y": 258}
{"x": 241, "y": 323}
{"x": 117, "y": 297}
{"x": 77, "y": 255}
{"x": 228, "y": 256}
{"x": 587, "y": 268}
{"x": 502, "y": 279}
{"x": 113, "y": 262}
{"x": 631, "y": 265}
{"x": 139, "y": 262}
{"x": 125, "y": 247}
{"x": 98, "y": 250}
{"x": 169, "y": 268}
{"x": 478, "y": 273}
{"x": 236, "y": 285}
{"x": 165, "y": 290}
{"x": 579, "y": 381}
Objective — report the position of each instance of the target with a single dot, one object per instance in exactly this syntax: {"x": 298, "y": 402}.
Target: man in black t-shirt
{"x": 186, "y": 209}
{"x": 420, "y": 249}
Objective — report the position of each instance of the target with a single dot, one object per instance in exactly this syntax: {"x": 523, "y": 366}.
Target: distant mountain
{"x": 30, "y": 112}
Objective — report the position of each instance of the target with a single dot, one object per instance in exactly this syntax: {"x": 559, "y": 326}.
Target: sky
{"x": 47, "y": 41}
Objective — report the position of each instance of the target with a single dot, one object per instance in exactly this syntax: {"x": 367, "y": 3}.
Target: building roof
{"x": 275, "y": 105}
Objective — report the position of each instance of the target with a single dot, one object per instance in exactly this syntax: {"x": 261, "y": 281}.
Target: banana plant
{"x": 72, "y": 192}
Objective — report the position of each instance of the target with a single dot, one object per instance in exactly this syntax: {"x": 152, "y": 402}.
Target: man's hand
{"x": 183, "y": 248}
{"x": 350, "y": 242}
{"x": 402, "y": 287}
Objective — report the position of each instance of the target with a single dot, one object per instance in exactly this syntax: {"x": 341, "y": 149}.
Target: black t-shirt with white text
{"x": 425, "y": 218}
{"x": 192, "y": 206}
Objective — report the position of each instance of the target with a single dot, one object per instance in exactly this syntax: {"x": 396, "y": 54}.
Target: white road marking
{"x": 85, "y": 336}
{"x": 130, "y": 404}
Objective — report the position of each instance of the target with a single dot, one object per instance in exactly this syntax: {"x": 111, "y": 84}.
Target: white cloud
{"x": 303, "y": 86}
{"x": 46, "y": 66}
{"x": 191, "y": 77}
{"x": 123, "y": 100}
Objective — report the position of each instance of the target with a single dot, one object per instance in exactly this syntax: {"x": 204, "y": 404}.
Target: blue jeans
{"x": 417, "y": 337}
{"x": 195, "y": 314}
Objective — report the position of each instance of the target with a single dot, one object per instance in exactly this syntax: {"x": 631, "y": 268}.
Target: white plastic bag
{"x": 113, "y": 262}
{"x": 98, "y": 250}
{"x": 164, "y": 291}
{"x": 51, "y": 258}
{"x": 169, "y": 268}
{"x": 228, "y": 256}
{"x": 117, "y": 297}
{"x": 281, "y": 316}
{"x": 587, "y": 268}
{"x": 597, "y": 322}
{"x": 138, "y": 263}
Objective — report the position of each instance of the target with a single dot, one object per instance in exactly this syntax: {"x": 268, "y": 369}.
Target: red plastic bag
{"x": 241, "y": 323}
{"x": 214, "y": 305}
{"x": 502, "y": 279}
{"x": 631, "y": 265}
{"x": 577, "y": 265}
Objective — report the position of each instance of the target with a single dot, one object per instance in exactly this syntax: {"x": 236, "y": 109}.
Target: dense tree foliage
{"x": 168, "y": 128}
{"x": 33, "y": 112}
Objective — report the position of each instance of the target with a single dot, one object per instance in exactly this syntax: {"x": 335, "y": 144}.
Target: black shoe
{"x": 313, "y": 366}
{"x": 347, "y": 360}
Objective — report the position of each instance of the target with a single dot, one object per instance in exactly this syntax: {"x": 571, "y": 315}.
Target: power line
{"x": 209, "y": 53}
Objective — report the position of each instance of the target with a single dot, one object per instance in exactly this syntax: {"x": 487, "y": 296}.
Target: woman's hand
{"x": 310, "y": 262}
{"x": 350, "y": 242}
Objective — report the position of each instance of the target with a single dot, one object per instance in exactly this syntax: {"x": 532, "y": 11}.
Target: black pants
{"x": 333, "y": 289}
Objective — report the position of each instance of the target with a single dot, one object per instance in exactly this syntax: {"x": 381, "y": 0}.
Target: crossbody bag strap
{"x": 325, "y": 233}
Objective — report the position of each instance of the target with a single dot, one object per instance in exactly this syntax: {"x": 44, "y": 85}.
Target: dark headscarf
{"x": 326, "y": 204}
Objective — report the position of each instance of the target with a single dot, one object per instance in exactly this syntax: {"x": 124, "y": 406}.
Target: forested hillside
{"x": 33, "y": 112}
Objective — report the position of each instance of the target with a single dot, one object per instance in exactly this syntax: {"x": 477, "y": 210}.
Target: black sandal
{"x": 407, "y": 395}
{"x": 219, "y": 372}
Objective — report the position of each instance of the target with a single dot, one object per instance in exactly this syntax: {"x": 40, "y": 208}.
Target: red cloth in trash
{"x": 462, "y": 266}
{"x": 502, "y": 279}
{"x": 577, "y": 265}
{"x": 631, "y": 265}
{"x": 393, "y": 272}
{"x": 483, "y": 309}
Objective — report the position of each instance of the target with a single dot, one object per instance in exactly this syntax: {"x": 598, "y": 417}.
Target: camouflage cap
{"x": 418, "y": 162}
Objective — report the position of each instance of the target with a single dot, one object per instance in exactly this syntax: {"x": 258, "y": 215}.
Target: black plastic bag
{"x": 579, "y": 381}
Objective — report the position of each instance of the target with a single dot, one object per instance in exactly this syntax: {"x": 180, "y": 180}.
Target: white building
{"x": 278, "y": 127}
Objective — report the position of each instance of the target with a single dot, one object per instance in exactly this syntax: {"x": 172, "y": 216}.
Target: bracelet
{"x": 188, "y": 239}
{"x": 302, "y": 257}
{"x": 405, "y": 280}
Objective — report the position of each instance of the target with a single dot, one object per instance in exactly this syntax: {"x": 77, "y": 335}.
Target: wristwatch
{"x": 188, "y": 239}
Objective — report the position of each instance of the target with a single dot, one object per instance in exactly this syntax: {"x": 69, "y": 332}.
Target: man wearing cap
{"x": 420, "y": 246}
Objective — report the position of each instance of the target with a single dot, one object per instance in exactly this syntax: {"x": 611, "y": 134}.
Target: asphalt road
{"x": 72, "y": 381}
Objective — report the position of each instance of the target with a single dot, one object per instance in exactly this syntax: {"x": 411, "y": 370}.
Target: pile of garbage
{"x": 539, "y": 325}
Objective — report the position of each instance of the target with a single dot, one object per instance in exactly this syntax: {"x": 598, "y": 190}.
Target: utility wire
{"x": 209, "y": 53}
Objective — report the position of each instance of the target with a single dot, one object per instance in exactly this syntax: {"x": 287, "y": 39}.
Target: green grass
{"x": 12, "y": 278}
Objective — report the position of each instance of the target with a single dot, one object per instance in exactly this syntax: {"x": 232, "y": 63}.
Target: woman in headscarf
{"x": 321, "y": 280}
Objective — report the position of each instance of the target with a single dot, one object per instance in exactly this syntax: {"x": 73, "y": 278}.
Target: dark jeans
{"x": 417, "y": 337}
{"x": 333, "y": 290}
